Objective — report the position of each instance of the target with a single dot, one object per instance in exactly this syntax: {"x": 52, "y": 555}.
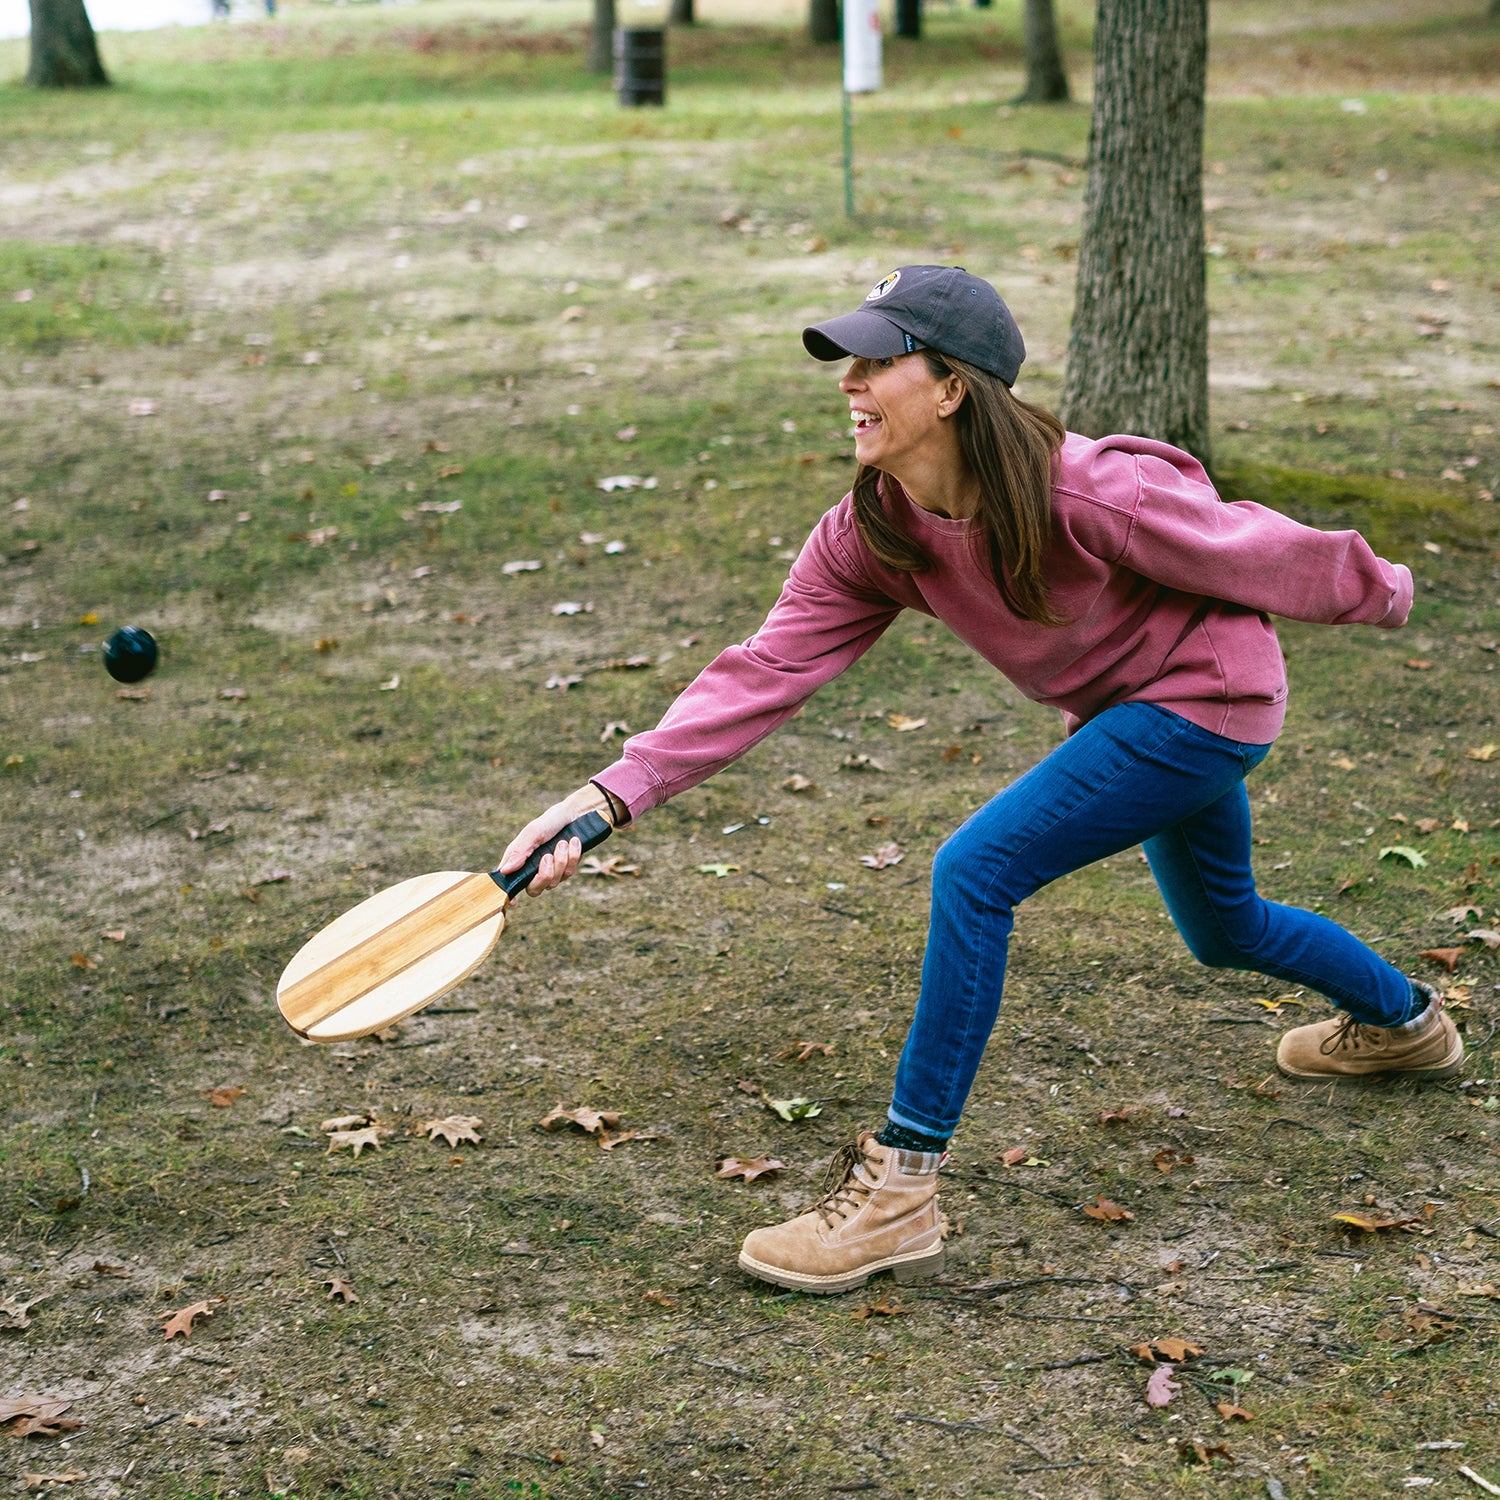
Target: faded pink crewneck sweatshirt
{"x": 1166, "y": 590}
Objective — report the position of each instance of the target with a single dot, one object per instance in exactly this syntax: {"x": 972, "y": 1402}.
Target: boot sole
{"x": 919, "y": 1266}
{"x": 1450, "y": 1065}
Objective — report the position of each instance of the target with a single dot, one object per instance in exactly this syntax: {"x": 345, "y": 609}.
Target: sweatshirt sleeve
{"x": 826, "y": 618}
{"x": 1184, "y": 536}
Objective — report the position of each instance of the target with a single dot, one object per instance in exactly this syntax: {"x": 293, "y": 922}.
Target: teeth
{"x": 863, "y": 416}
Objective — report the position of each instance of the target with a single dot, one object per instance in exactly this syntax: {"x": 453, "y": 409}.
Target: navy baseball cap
{"x": 926, "y": 307}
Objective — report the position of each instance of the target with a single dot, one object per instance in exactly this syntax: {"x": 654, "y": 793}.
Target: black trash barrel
{"x": 641, "y": 65}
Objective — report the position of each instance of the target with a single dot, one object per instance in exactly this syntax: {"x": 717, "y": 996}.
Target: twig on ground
{"x": 1070, "y": 1364}
{"x": 1479, "y": 1479}
{"x": 1073, "y": 1463}
{"x": 982, "y": 1427}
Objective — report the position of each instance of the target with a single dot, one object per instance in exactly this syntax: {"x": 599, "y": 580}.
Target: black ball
{"x": 130, "y": 654}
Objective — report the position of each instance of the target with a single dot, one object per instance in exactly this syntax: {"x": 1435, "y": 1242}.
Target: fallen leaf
{"x": 1426, "y": 826}
{"x": 223, "y": 1096}
{"x": 1485, "y": 935}
{"x": 1342, "y": 762}
{"x": 1114, "y": 1116}
{"x": 1203, "y": 1453}
{"x": 797, "y": 782}
{"x": 1145, "y": 1352}
{"x": 346, "y": 1122}
{"x": 609, "y": 1139}
{"x": 143, "y": 406}
{"x": 590, "y": 1121}
{"x": 1406, "y": 852}
{"x": 1447, "y": 957}
{"x": 15, "y": 1311}
{"x": 803, "y": 1051}
{"x": 341, "y": 1289}
{"x": 720, "y": 870}
{"x": 43, "y": 1481}
{"x": 453, "y": 1129}
{"x": 355, "y": 1140}
{"x": 106, "y": 1268}
{"x": 520, "y": 565}
{"x": 1106, "y": 1209}
{"x": 1459, "y": 825}
{"x": 747, "y": 1167}
{"x": 748, "y": 1086}
{"x": 43, "y": 1409}
{"x": 1415, "y": 664}
{"x": 611, "y": 867}
{"x": 213, "y": 829}
{"x": 792, "y": 1110}
{"x": 884, "y": 1306}
{"x": 181, "y": 1321}
{"x": 1167, "y": 1158}
{"x": 902, "y": 724}
{"x": 1484, "y": 752}
{"x": 883, "y": 858}
{"x": 1483, "y": 1290}
{"x": 134, "y": 694}
{"x": 232, "y": 694}
{"x": 1177, "y": 1350}
{"x": 1014, "y": 1156}
{"x": 1373, "y": 1225}
{"x": 861, "y": 763}
{"x": 659, "y": 1298}
{"x": 82, "y": 961}
{"x": 441, "y": 507}
{"x": 1160, "y": 1388}
{"x": 275, "y": 877}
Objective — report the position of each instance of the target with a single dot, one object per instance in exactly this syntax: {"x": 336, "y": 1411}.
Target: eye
{"x": 883, "y": 364}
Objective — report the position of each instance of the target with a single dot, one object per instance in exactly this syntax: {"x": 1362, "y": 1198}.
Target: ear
{"x": 951, "y": 393}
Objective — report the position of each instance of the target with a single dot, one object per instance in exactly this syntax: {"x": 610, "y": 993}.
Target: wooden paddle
{"x": 407, "y": 945}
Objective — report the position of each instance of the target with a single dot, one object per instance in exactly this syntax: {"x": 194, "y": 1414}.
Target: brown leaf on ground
{"x": 1161, "y": 1387}
{"x": 1447, "y": 957}
{"x": 1485, "y": 935}
{"x": 659, "y": 1298}
{"x": 355, "y": 1140}
{"x": 1373, "y": 1223}
{"x": 181, "y": 1321}
{"x": 1203, "y": 1453}
{"x": 609, "y": 1139}
{"x": 105, "y": 1268}
{"x": 1114, "y": 1116}
{"x": 748, "y": 1086}
{"x": 1014, "y": 1156}
{"x": 44, "y": 1427}
{"x": 15, "y": 1312}
{"x": 797, "y": 782}
{"x": 1167, "y": 1158}
{"x": 1106, "y": 1209}
{"x": 346, "y": 1122}
{"x": 904, "y": 723}
{"x": 748, "y": 1167}
{"x": 1427, "y": 825}
{"x": 1145, "y": 1352}
{"x": 1177, "y": 1350}
{"x": 453, "y": 1129}
{"x": 82, "y": 961}
{"x": 884, "y": 1306}
{"x": 590, "y": 1121}
{"x": 883, "y": 858}
{"x": 1483, "y": 752}
{"x": 117, "y": 935}
{"x": 802, "y": 1051}
{"x": 223, "y": 1096}
{"x": 612, "y": 867}
{"x": 1230, "y": 1412}
{"x": 45, "y": 1481}
{"x": 341, "y": 1289}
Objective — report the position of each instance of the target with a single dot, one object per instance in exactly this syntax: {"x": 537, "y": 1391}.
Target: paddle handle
{"x": 590, "y": 830}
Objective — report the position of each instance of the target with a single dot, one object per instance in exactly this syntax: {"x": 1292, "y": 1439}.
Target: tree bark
{"x": 1046, "y": 78}
{"x": 1138, "y": 353}
{"x": 682, "y": 13}
{"x": 909, "y": 19}
{"x": 823, "y": 21}
{"x": 64, "y": 54}
{"x": 602, "y": 38}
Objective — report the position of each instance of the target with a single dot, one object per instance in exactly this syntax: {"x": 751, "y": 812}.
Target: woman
{"x": 1105, "y": 577}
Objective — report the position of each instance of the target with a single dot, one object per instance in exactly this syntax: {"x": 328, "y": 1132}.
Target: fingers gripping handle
{"x": 590, "y": 830}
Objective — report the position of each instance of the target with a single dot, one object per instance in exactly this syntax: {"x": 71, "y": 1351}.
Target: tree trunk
{"x": 1138, "y": 354}
{"x": 64, "y": 54}
{"x": 602, "y": 39}
{"x": 682, "y": 13}
{"x": 909, "y": 19}
{"x": 823, "y": 20}
{"x": 1046, "y": 78}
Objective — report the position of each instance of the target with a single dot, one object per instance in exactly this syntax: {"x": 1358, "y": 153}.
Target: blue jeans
{"x": 1137, "y": 774}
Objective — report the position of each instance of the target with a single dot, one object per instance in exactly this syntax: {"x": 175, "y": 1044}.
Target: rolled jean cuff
{"x": 922, "y": 1124}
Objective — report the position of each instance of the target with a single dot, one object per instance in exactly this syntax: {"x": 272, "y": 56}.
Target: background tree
{"x": 823, "y": 20}
{"x": 909, "y": 19}
{"x": 1046, "y": 78}
{"x": 64, "y": 54}
{"x": 602, "y": 38}
{"x": 682, "y": 13}
{"x": 1138, "y": 353}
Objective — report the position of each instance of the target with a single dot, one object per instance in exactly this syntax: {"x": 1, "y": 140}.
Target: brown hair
{"x": 1009, "y": 446}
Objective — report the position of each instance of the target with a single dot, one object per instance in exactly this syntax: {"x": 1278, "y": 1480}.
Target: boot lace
{"x": 843, "y": 1190}
{"x": 1352, "y": 1034}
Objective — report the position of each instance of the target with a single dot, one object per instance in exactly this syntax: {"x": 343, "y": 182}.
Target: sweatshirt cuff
{"x": 1396, "y": 615}
{"x": 633, "y": 784}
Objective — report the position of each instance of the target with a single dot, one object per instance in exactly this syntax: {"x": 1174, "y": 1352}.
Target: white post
{"x": 861, "y": 46}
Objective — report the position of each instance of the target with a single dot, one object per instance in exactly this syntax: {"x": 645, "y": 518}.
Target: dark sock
{"x": 910, "y": 1140}
{"x": 1419, "y": 1002}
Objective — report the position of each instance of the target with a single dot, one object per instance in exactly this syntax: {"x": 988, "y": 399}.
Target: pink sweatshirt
{"x": 1166, "y": 590}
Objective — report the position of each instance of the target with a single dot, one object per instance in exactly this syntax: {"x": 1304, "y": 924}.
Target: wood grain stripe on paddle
{"x": 390, "y": 951}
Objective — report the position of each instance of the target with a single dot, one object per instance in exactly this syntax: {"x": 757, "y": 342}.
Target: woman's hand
{"x": 561, "y": 861}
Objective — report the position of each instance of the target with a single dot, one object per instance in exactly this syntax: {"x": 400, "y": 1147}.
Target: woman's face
{"x": 899, "y": 409}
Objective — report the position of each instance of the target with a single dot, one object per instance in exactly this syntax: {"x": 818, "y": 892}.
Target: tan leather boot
{"x": 1342, "y": 1050}
{"x": 878, "y": 1212}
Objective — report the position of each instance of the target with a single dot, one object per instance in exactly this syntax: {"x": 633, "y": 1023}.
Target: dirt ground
{"x": 306, "y": 332}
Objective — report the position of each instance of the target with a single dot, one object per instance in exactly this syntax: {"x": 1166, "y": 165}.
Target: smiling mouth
{"x": 864, "y": 421}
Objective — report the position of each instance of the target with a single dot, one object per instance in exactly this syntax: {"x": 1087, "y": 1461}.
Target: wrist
{"x": 610, "y": 805}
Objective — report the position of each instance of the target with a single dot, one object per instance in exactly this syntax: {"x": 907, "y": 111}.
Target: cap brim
{"x": 862, "y": 333}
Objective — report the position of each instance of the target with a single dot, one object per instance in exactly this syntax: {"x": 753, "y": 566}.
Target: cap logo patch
{"x": 880, "y": 288}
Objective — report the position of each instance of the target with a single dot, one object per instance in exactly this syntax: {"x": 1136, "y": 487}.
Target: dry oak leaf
{"x": 1447, "y": 957}
{"x": 612, "y": 867}
{"x": 181, "y": 1321}
{"x": 1014, "y": 1156}
{"x": 749, "y": 1168}
{"x": 1373, "y": 1225}
{"x": 453, "y": 1129}
{"x": 1229, "y": 1411}
{"x": 346, "y": 1122}
{"x": 1203, "y": 1453}
{"x": 1114, "y": 1116}
{"x": 43, "y": 1481}
{"x": 803, "y": 1051}
{"x": 82, "y": 961}
{"x": 223, "y": 1096}
{"x": 1107, "y": 1210}
{"x": 341, "y": 1289}
{"x": 659, "y": 1298}
{"x": 355, "y": 1140}
{"x": 117, "y": 934}
{"x": 903, "y": 724}
{"x": 883, "y": 1307}
{"x": 797, "y": 782}
{"x": 1177, "y": 1350}
{"x": 885, "y": 856}
{"x": 1485, "y": 935}
{"x": 1167, "y": 1158}
{"x": 15, "y": 1312}
{"x": 105, "y": 1268}
{"x": 1483, "y": 752}
{"x": 590, "y": 1121}
{"x": 1161, "y": 1387}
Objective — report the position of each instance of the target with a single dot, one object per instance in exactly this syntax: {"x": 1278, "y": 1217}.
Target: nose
{"x": 853, "y": 378}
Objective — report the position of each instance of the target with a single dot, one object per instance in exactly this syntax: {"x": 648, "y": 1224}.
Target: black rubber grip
{"x": 590, "y": 830}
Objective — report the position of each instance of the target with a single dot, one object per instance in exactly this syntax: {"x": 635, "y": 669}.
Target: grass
{"x": 375, "y": 260}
